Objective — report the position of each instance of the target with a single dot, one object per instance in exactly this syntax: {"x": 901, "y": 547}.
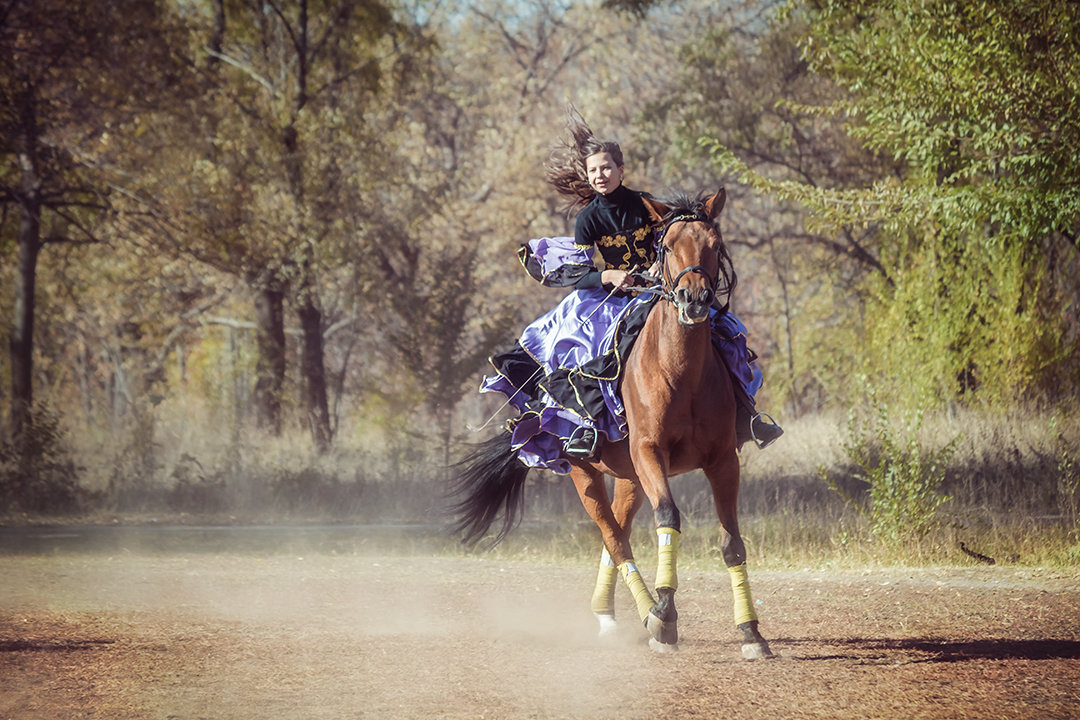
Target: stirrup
{"x": 769, "y": 431}
{"x": 582, "y": 443}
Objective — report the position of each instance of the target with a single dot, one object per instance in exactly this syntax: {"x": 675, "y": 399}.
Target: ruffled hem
{"x": 559, "y": 380}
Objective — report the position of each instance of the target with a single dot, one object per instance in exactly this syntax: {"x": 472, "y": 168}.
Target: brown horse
{"x": 680, "y": 411}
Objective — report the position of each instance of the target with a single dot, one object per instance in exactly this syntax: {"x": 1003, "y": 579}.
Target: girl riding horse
{"x": 562, "y": 375}
{"x": 680, "y": 415}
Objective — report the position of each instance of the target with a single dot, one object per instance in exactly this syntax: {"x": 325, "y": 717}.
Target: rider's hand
{"x": 618, "y": 278}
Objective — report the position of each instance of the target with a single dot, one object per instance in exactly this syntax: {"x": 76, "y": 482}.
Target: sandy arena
{"x": 286, "y": 634}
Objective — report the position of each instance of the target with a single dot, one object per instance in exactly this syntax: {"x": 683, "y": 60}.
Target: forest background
{"x": 256, "y": 254}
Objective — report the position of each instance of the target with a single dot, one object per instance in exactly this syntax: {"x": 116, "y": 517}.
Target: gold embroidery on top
{"x": 641, "y": 242}
{"x": 621, "y": 242}
{"x": 636, "y": 247}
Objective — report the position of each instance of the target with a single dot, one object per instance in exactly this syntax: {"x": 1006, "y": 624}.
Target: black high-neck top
{"x": 620, "y": 226}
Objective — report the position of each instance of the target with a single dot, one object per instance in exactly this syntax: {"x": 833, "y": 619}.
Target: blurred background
{"x": 255, "y": 254}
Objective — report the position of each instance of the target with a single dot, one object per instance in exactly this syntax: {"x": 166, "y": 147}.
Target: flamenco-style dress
{"x": 563, "y": 372}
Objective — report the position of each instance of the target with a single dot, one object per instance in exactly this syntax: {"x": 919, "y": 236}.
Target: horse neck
{"x": 682, "y": 349}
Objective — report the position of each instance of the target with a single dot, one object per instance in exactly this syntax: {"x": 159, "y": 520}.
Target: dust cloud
{"x": 250, "y": 632}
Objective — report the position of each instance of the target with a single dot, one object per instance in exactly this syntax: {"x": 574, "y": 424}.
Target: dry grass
{"x": 1013, "y": 482}
{"x": 1012, "y": 500}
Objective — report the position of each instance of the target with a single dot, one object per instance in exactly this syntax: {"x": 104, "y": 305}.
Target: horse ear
{"x": 657, "y": 209}
{"x": 715, "y": 204}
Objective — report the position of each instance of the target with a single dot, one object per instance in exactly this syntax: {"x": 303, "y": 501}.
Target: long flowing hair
{"x": 565, "y": 169}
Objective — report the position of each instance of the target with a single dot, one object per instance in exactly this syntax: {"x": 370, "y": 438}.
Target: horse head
{"x": 696, "y": 270}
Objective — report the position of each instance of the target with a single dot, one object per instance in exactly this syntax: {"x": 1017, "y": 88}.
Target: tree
{"x": 66, "y": 81}
{"x": 289, "y": 89}
{"x": 459, "y": 191}
{"x": 978, "y": 101}
{"x": 976, "y": 107}
{"x": 735, "y": 84}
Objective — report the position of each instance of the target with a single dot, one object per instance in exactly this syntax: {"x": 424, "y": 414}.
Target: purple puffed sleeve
{"x": 556, "y": 261}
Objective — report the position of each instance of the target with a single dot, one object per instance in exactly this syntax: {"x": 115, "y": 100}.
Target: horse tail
{"x": 488, "y": 480}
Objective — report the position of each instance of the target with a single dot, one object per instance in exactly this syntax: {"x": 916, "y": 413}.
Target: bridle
{"x": 717, "y": 285}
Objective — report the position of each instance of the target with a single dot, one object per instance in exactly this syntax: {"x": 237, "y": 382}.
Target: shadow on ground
{"x": 909, "y": 650}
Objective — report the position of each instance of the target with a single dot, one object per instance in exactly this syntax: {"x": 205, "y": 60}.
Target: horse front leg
{"x": 661, "y": 618}
{"x": 627, "y": 501}
{"x": 725, "y": 485}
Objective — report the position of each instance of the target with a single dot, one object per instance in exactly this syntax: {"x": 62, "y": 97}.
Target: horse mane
{"x": 682, "y": 203}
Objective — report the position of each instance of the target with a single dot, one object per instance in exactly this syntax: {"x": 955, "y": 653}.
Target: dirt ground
{"x": 139, "y": 634}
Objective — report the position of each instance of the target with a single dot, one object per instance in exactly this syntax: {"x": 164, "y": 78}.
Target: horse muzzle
{"x": 693, "y": 305}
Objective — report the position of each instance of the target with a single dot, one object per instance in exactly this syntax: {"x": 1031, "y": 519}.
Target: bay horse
{"x": 680, "y": 411}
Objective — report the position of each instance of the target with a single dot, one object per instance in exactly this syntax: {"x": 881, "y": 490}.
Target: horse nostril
{"x": 706, "y": 296}
{"x": 682, "y": 295}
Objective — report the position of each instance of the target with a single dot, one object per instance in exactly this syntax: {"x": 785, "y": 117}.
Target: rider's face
{"x": 604, "y": 175}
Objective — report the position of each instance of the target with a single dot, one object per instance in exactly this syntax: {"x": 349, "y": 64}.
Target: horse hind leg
{"x": 619, "y": 557}
{"x": 625, "y": 505}
{"x": 603, "y": 598}
{"x": 658, "y": 615}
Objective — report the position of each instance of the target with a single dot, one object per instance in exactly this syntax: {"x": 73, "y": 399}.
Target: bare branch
{"x": 515, "y": 45}
{"x": 246, "y": 69}
{"x": 285, "y": 22}
{"x": 89, "y": 238}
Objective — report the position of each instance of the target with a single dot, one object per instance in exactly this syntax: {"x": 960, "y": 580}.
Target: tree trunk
{"x": 21, "y": 342}
{"x": 313, "y": 369}
{"x": 444, "y": 416}
{"x": 270, "y": 364}
{"x": 22, "y": 329}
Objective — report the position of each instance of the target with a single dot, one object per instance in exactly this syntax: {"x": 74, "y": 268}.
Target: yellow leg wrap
{"x": 642, "y": 597}
{"x": 668, "y": 544}
{"x": 603, "y": 597}
{"x": 740, "y": 588}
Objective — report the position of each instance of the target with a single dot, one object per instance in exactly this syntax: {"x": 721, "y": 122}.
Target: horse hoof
{"x": 756, "y": 651}
{"x": 607, "y": 625}
{"x": 663, "y": 647}
{"x": 664, "y": 633}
